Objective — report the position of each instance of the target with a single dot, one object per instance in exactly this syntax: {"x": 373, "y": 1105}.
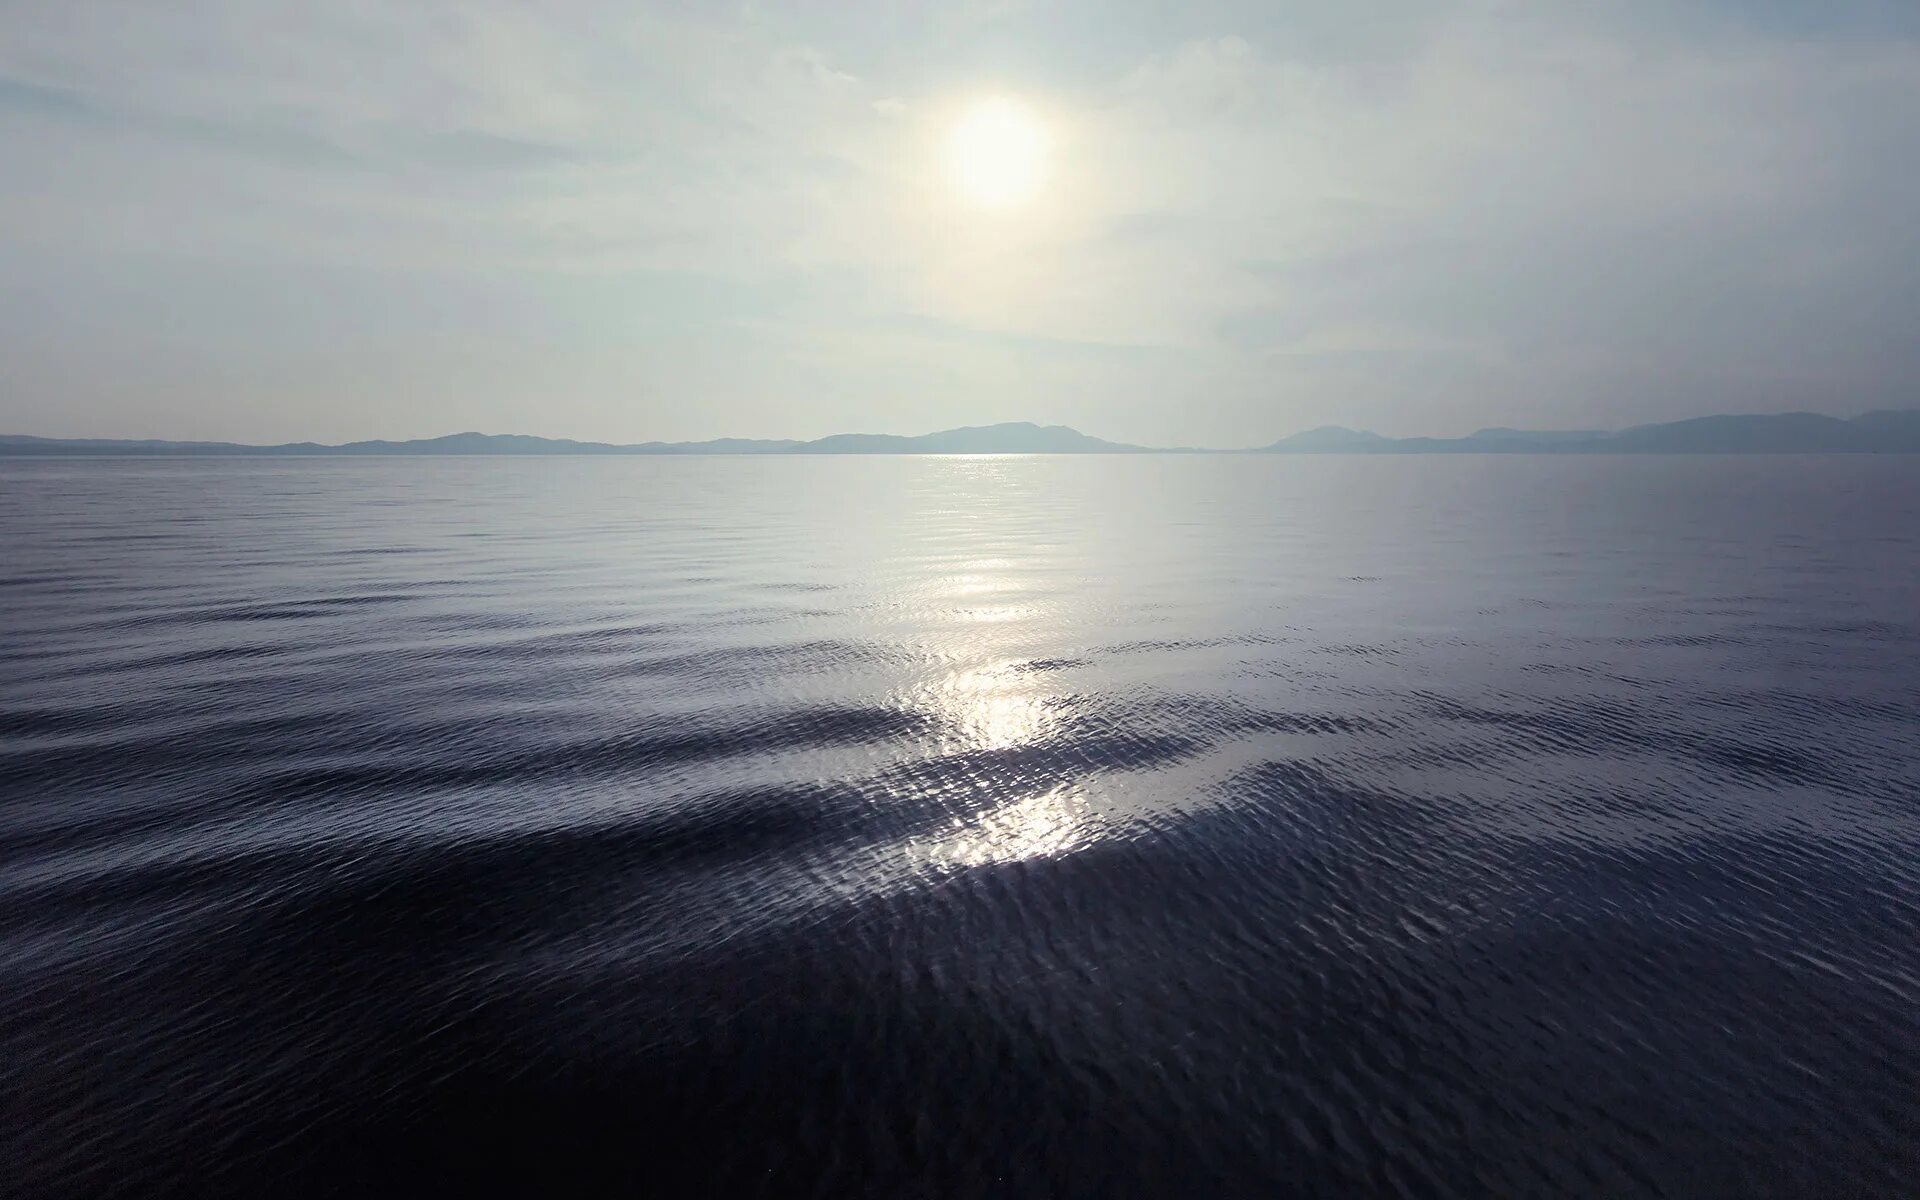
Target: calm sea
{"x": 921, "y": 827}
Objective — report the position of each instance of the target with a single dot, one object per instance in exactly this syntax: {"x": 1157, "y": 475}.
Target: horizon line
{"x": 775, "y": 444}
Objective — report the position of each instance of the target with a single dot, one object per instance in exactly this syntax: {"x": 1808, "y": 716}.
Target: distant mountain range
{"x": 1884, "y": 432}
{"x": 1014, "y": 437}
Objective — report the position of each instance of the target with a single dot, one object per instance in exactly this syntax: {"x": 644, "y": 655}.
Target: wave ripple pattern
{"x": 972, "y": 827}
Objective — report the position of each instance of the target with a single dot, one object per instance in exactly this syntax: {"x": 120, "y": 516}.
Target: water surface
{"x": 1131, "y": 826}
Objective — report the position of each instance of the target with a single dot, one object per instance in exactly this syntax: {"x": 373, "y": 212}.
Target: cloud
{"x": 1573, "y": 212}
{"x": 1439, "y": 217}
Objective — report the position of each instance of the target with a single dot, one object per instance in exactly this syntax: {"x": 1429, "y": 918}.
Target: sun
{"x": 996, "y": 154}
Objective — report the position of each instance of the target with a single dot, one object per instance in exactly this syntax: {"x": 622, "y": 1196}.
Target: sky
{"x": 265, "y": 222}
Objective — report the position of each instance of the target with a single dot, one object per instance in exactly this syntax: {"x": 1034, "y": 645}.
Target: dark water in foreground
{"x": 921, "y": 827}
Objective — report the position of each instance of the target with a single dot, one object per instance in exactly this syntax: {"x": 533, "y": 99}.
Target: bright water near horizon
{"x": 912, "y": 827}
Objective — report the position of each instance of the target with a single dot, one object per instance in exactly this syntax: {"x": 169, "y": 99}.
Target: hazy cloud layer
{"x": 256, "y": 221}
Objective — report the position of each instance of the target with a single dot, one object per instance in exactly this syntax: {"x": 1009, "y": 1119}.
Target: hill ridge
{"x": 1879, "y": 431}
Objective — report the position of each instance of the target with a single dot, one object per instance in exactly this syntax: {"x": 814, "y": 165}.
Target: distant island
{"x": 1887, "y": 431}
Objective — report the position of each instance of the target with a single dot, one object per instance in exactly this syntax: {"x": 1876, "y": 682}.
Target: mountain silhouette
{"x": 1012, "y": 437}
{"x": 1766, "y": 433}
{"x": 1884, "y": 431}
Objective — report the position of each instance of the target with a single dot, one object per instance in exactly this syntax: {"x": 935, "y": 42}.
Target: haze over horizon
{"x": 1210, "y": 225}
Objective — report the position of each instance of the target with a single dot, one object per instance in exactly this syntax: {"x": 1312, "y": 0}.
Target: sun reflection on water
{"x": 993, "y": 708}
{"x": 1005, "y": 817}
{"x": 1053, "y": 823}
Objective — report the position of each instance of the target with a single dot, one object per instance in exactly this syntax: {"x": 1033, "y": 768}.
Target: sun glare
{"x": 996, "y": 154}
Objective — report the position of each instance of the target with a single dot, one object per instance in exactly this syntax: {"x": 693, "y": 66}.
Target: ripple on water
{"x": 973, "y": 827}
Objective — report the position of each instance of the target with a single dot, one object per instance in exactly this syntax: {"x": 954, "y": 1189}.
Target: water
{"x": 960, "y": 826}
